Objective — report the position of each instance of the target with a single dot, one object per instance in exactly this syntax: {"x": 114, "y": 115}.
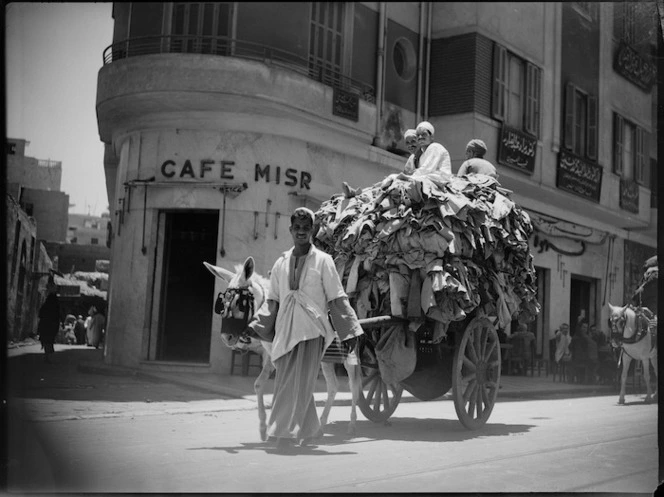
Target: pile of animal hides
{"x": 421, "y": 248}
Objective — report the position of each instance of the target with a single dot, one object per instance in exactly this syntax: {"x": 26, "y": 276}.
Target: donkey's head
{"x": 244, "y": 295}
{"x": 622, "y": 321}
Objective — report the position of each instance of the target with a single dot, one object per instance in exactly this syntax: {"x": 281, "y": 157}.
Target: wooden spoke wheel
{"x": 476, "y": 373}
{"x": 377, "y": 400}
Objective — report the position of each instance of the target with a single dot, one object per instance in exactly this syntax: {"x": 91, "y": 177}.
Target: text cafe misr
{"x": 225, "y": 170}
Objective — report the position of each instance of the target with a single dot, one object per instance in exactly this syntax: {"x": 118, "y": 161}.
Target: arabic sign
{"x": 345, "y": 104}
{"x": 517, "y": 150}
{"x": 629, "y": 195}
{"x": 578, "y": 176}
{"x": 632, "y": 66}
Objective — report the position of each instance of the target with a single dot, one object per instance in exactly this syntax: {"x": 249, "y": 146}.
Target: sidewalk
{"x": 104, "y": 382}
{"x": 511, "y": 387}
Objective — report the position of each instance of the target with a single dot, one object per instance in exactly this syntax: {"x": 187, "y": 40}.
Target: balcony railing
{"x": 230, "y": 47}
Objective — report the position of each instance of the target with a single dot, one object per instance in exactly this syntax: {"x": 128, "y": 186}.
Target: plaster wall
{"x": 520, "y": 27}
{"x": 255, "y": 223}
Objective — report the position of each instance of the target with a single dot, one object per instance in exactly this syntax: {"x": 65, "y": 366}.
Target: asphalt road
{"x": 563, "y": 445}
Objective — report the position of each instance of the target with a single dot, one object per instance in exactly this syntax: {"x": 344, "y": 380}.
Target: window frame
{"x": 640, "y": 149}
{"x": 530, "y": 89}
{"x": 588, "y": 149}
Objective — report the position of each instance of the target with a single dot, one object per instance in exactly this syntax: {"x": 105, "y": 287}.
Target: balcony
{"x": 230, "y": 47}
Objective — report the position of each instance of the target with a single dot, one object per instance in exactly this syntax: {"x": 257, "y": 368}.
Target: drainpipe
{"x": 420, "y": 56}
{"x": 380, "y": 69}
{"x": 428, "y": 61}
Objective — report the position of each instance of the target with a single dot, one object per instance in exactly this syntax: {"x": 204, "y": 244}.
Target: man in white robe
{"x": 304, "y": 286}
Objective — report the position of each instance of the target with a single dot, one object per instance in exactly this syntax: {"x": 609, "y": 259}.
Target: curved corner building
{"x": 219, "y": 119}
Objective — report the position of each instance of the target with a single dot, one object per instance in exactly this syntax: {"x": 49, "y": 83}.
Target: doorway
{"x": 185, "y": 312}
{"x": 582, "y": 301}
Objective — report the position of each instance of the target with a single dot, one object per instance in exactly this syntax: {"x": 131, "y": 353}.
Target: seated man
{"x": 435, "y": 159}
{"x": 475, "y": 162}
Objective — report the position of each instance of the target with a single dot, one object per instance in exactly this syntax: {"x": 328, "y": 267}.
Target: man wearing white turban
{"x": 435, "y": 159}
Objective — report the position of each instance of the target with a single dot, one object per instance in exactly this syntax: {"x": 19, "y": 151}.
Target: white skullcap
{"x": 409, "y": 132}
{"x": 426, "y": 125}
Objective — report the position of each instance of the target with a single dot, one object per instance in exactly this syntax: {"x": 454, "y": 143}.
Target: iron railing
{"x": 231, "y": 47}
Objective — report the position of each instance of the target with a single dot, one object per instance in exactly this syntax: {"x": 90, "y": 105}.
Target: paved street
{"x": 159, "y": 437}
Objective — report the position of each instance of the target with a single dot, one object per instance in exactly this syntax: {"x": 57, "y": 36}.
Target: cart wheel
{"x": 378, "y": 400}
{"x": 476, "y": 373}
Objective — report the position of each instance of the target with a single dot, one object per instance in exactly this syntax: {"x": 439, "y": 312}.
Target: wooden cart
{"x": 467, "y": 361}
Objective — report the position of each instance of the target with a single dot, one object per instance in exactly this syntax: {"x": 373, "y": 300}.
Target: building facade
{"x": 88, "y": 230}
{"x": 28, "y": 266}
{"x": 217, "y": 122}
{"x": 35, "y": 184}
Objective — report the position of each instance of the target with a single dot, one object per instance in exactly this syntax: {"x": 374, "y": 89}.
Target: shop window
{"x": 630, "y": 150}
{"x": 580, "y": 135}
{"x": 516, "y": 91}
{"x": 326, "y": 48}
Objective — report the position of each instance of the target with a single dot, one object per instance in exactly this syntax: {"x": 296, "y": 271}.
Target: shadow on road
{"x": 28, "y": 376}
{"x": 269, "y": 448}
{"x": 417, "y": 429}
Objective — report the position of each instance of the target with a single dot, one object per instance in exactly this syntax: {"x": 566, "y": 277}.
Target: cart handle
{"x": 381, "y": 321}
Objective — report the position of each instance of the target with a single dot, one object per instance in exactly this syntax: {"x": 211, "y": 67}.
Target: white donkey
{"x": 245, "y": 294}
{"x": 633, "y": 329}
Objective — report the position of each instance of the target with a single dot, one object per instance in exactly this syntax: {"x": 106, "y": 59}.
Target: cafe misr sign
{"x": 578, "y": 176}
{"x": 517, "y": 150}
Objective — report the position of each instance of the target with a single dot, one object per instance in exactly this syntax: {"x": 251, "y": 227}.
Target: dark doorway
{"x": 185, "y": 311}
{"x": 579, "y": 305}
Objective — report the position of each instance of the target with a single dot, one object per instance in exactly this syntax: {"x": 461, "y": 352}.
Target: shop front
{"x": 185, "y": 197}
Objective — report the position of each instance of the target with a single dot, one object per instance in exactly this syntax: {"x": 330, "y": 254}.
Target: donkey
{"x": 634, "y": 329}
{"x": 245, "y": 294}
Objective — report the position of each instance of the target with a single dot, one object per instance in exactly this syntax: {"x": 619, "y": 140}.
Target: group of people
{"x": 430, "y": 158}
{"x": 586, "y": 356}
{"x": 73, "y": 331}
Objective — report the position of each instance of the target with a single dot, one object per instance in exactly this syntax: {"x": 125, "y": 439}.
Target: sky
{"x": 53, "y": 55}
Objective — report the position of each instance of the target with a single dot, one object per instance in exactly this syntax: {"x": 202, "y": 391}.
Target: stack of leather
{"x": 417, "y": 247}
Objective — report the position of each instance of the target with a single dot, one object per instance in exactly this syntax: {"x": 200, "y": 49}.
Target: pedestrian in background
{"x": 49, "y": 319}
{"x": 95, "y": 327}
{"x": 304, "y": 286}
{"x": 475, "y": 162}
{"x": 80, "y": 330}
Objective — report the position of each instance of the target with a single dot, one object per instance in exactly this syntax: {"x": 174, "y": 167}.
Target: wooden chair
{"x": 521, "y": 355}
{"x": 559, "y": 369}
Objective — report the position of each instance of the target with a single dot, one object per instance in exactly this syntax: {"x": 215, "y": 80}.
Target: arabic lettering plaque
{"x": 517, "y": 150}
{"x": 345, "y": 104}
{"x": 629, "y": 195}
{"x": 632, "y": 66}
{"x": 578, "y": 176}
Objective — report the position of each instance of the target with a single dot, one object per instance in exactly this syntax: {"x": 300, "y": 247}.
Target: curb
{"x": 96, "y": 368}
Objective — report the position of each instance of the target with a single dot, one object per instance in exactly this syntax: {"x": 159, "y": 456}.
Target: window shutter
{"x": 533, "y": 82}
{"x": 592, "y": 128}
{"x": 618, "y": 130}
{"x": 568, "y": 137}
{"x": 641, "y": 155}
{"x": 499, "y": 82}
{"x": 618, "y": 20}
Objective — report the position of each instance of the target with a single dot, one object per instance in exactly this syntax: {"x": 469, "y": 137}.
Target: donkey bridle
{"x": 243, "y": 299}
{"x": 618, "y": 322}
